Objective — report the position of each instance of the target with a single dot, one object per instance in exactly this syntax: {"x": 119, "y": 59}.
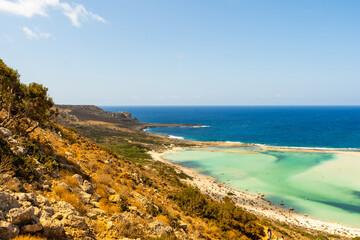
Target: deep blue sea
{"x": 323, "y": 127}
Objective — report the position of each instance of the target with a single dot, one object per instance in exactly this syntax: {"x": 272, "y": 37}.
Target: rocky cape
{"x": 93, "y": 113}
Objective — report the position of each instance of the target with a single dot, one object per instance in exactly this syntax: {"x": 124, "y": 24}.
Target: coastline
{"x": 252, "y": 202}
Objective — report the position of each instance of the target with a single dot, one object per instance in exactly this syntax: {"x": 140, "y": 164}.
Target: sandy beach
{"x": 255, "y": 203}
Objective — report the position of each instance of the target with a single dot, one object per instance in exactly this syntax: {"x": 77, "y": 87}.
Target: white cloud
{"x": 29, "y": 8}
{"x": 36, "y": 34}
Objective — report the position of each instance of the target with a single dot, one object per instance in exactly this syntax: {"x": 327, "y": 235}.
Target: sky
{"x": 186, "y": 52}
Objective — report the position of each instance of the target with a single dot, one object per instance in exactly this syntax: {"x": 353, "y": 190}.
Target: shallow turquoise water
{"x": 322, "y": 185}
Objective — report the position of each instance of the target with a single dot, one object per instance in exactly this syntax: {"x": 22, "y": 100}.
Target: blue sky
{"x": 186, "y": 52}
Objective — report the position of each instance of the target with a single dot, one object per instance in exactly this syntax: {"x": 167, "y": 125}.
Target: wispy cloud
{"x": 77, "y": 13}
{"x": 7, "y": 38}
{"x": 36, "y": 34}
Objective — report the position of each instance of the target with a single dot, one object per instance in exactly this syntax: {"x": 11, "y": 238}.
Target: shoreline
{"x": 254, "y": 203}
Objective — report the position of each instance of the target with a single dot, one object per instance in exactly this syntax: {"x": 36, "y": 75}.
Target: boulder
{"x": 87, "y": 187}
{"x": 65, "y": 208}
{"x": 5, "y": 132}
{"x": 75, "y": 222}
{"x": 21, "y": 215}
{"x": 26, "y": 197}
{"x": 52, "y": 227}
{"x": 8, "y": 230}
{"x": 1, "y": 216}
{"x": 158, "y": 228}
{"x": 31, "y": 228}
{"x": 7, "y": 202}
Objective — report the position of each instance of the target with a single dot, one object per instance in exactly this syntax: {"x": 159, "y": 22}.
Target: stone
{"x": 1, "y": 216}
{"x": 78, "y": 177}
{"x": 47, "y": 212}
{"x": 37, "y": 212}
{"x": 42, "y": 201}
{"x": 115, "y": 198}
{"x": 85, "y": 197}
{"x": 62, "y": 184}
{"x": 117, "y": 217}
{"x": 58, "y": 216}
{"x": 110, "y": 225}
{"x": 94, "y": 213}
{"x": 19, "y": 150}
{"x": 31, "y": 228}
{"x": 133, "y": 209}
{"x": 5, "y": 132}
{"x": 15, "y": 184}
{"x": 47, "y": 182}
{"x": 158, "y": 228}
{"x": 52, "y": 227}
{"x": 65, "y": 208}
{"x": 110, "y": 190}
{"x": 39, "y": 172}
{"x": 21, "y": 215}
{"x": 183, "y": 226}
{"x": 95, "y": 197}
{"x": 87, "y": 187}
{"x": 8, "y": 230}
{"x": 4, "y": 178}
{"x": 7, "y": 202}
{"x": 75, "y": 222}
{"x": 26, "y": 197}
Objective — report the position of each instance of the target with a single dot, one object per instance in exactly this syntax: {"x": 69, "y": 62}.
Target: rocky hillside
{"x": 58, "y": 184}
{"x": 94, "y": 113}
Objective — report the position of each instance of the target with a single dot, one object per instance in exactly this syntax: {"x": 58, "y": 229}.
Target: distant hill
{"x": 93, "y": 113}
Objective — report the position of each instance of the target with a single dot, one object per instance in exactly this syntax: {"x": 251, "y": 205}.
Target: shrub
{"x": 64, "y": 195}
{"x": 226, "y": 215}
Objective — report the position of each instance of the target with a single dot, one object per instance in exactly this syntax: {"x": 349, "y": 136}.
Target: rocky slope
{"x": 94, "y": 113}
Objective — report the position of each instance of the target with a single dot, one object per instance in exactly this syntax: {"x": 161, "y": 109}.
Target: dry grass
{"x": 107, "y": 206}
{"x": 71, "y": 181}
{"x": 28, "y": 237}
{"x": 63, "y": 194}
{"x": 104, "y": 179}
{"x": 131, "y": 229}
{"x": 5, "y": 164}
{"x": 163, "y": 219}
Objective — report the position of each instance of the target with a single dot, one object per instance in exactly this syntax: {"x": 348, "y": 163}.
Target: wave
{"x": 176, "y": 137}
{"x": 233, "y": 142}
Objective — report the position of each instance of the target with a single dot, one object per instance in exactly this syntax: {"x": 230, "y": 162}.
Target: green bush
{"x": 226, "y": 215}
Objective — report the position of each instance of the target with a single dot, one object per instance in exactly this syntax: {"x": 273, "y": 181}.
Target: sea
{"x": 320, "y": 127}
{"x": 323, "y": 185}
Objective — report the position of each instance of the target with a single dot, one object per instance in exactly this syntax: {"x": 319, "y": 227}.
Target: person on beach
{"x": 269, "y": 233}
{"x": 282, "y": 238}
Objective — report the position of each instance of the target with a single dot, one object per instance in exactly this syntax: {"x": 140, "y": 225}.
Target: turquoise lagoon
{"x": 323, "y": 185}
